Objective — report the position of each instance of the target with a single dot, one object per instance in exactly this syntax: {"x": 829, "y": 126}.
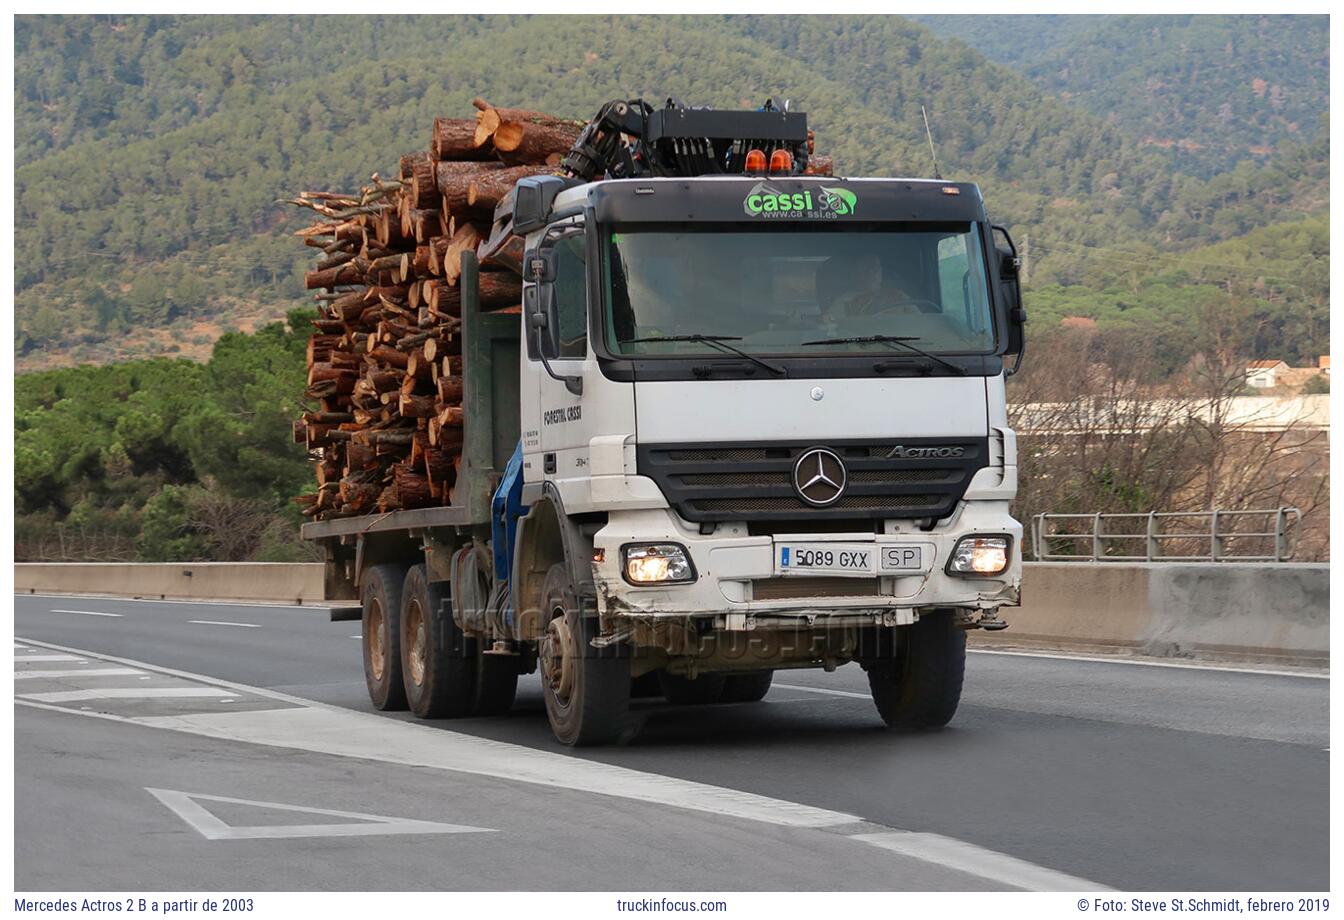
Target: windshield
{"x": 779, "y": 291}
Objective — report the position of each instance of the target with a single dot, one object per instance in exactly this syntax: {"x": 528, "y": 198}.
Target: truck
{"x": 746, "y": 420}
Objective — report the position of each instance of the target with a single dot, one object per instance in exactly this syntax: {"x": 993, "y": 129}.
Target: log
{"x": 422, "y": 192}
{"x": 454, "y": 139}
{"x": 519, "y": 142}
{"x": 450, "y": 390}
{"x": 499, "y": 289}
{"x": 488, "y": 189}
{"x": 412, "y": 489}
{"x": 412, "y": 406}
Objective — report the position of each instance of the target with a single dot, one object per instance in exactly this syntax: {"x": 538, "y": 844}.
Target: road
{"x": 1057, "y": 773}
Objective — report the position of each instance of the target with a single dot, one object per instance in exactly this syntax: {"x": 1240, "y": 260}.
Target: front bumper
{"x": 738, "y": 586}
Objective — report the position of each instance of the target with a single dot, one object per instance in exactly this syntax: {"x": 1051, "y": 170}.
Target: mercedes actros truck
{"x": 748, "y": 420}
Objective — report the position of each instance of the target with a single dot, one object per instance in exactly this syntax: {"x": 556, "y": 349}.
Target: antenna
{"x": 929, "y": 132}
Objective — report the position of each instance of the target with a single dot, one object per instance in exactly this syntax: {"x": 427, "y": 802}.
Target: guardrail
{"x": 1167, "y": 536}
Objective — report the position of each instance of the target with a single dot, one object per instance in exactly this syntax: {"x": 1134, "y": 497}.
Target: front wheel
{"x": 920, "y": 687}
{"x": 587, "y": 690}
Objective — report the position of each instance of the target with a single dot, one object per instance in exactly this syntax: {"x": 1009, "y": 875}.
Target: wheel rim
{"x": 558, "y": 658}
{"x": 415, "y": 629}
{"x": 376, "y": 639}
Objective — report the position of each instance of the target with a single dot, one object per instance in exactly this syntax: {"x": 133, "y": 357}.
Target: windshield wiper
{"x": 720, "y": 341}
{"x": 901, "y": 340}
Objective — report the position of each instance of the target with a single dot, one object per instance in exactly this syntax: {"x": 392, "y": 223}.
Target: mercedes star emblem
{"x": 819, "y": 477}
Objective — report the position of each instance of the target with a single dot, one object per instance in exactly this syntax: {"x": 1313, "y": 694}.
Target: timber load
{"x": 384, "y": 425}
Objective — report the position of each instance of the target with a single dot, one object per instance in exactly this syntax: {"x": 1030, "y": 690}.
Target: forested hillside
{"x": 1215, "y": 90}
{"x": 153, "y": 151}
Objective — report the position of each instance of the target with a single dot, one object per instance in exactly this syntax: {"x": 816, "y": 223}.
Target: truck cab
{"x": 762, "y": 426}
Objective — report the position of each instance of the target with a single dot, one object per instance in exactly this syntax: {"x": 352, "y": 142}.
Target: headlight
{"x": 656, "y": 563}
{"x": 980, "y": 555}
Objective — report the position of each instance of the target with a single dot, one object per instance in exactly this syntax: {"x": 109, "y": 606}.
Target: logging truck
{"x": 747, "y": 419}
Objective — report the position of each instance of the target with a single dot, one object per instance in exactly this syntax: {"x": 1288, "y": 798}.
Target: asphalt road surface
{"x": 232, "y": 746}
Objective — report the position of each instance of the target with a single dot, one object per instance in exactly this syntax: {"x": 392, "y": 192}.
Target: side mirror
{"x": 538, "y": 312}
{"x": 1010, "y": 289}
{"x": 533, "y": 200}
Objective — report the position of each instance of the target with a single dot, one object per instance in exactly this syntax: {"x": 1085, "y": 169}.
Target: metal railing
{"x": 1167, "y": 536}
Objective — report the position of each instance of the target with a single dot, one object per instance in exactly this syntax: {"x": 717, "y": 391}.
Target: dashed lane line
{"x": 224, "y": 623}
{"x": 326, "y": 729}
{"x": 27, "y": 658}
{"x": 125, "y": 693}
{"x": 89, "y": 613}
{"x": 76, "y": 672}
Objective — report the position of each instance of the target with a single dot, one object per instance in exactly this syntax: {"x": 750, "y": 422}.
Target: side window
{"x": 571, "y": 297}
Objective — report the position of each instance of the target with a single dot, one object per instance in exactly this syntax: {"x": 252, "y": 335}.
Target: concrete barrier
{"x": 276, "y": 582}
{"x": 1252, "y": 611}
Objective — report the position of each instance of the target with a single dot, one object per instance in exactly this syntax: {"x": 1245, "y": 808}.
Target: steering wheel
{"x": 920, "y": 302}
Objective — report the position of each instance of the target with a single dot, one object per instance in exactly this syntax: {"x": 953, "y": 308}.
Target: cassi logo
{"x": 766, "y": 201}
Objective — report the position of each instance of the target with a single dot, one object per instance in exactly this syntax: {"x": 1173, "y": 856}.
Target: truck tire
{"x": 438, "y": 669}
{"x": 496, "y": 682}
{"x": 380, "y": 596}
{"x": 683, "y": 691}
{"x": 587, "y": 690}
{"x": 921, "y": 686}
{"x": 746, "y": 688}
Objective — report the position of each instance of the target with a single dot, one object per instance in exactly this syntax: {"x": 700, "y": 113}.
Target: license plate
{"x": 850, "y": 558}
{"x": 834, "y": 558}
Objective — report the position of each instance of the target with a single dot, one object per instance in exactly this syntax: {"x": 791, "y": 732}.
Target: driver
{"x": 851, "y": 285}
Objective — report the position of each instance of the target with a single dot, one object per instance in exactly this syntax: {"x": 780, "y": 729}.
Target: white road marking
{"x": 281, "y": 605}
{"x": 186, "y": 806}
{"x": 86, "y": 672}
{"x": 826, "y": 691}
{"x": 1155, "y": 663}
{"x": 89, "y": 613}
{"x": 224, "y": 623}
{"x": 25, "y": 658}
{"x": 322, "y": 728}
{"x": 952, "y": 853}
{"x": 124, "y": 693}
{"x": 356, "y": 637}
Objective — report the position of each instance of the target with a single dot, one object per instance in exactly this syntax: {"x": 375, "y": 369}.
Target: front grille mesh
{"x": 795, "y": 506}
{"x": 726, "y": 482}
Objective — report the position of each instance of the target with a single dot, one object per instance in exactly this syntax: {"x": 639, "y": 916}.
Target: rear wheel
{"x": 380, "y": 596}
{"x": 439, "y": 670}
{"x": 746, "y": 688}
{"x": 683, "y": 691}
{"x": 920, "y": 687}
{"x": 587, "y": 690}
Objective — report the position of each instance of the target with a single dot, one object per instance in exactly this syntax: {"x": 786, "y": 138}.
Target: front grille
{"x": 727, "y": 482}
{"x": 795, "y": 506}
{"x": 778, "y": 589}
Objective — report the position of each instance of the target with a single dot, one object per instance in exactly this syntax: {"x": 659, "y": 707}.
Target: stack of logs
{"x": 385, "y": 364}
